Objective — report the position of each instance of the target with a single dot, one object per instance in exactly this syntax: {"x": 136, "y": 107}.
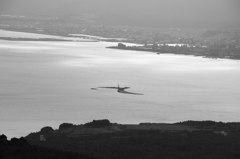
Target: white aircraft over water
{"x": 119, "y": 90}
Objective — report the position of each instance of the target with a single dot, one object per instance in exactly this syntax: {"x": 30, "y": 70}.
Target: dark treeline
{"x": 98, "y": 123}
{"x": 21, "y": 149}
{"x": 151, "y": 145}
{"x": 211, "y": 140}
{"x": 212, "y": 125}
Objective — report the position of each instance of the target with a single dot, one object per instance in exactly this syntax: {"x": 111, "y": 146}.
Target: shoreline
{"x": 39, "y": 39}
{"x": 49, "y": 37}
{"x": 159, "y": 51}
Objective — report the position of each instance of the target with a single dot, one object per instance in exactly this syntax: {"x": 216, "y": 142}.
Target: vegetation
{"x": 212, "y": 125}
{"x": 21, "y": 149}
{"x": 46, "y": 129}
{"x": 98, "y": 123}
{"x": 204, "y": 142}
{"x": 151, "y": 144}
{"x": 65, "y": 125}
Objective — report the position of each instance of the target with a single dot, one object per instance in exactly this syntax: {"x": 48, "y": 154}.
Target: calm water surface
{"x": 48, "y": 83}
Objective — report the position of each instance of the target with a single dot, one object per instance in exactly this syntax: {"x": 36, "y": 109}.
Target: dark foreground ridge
{"x": 102, "y": 139}
{"x": 21, "y": 149}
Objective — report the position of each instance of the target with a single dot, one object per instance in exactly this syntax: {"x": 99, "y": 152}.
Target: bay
{"x": 48, "y": 83}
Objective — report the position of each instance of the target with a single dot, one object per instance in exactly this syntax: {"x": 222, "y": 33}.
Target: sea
{"x": 50, "y": 83}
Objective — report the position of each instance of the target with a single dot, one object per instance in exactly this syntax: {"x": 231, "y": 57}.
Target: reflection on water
{"x": 49, "y": 86}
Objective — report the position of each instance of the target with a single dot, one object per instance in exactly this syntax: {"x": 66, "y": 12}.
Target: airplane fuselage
{"x": 119, "y": 89}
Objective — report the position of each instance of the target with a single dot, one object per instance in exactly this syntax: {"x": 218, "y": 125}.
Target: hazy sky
{"x": 207, "y": 11}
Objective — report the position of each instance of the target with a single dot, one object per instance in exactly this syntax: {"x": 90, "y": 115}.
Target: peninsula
{"x": 184, "y": 49}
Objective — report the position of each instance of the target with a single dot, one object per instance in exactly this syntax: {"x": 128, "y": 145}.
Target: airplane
{"x": 120, "y": 90}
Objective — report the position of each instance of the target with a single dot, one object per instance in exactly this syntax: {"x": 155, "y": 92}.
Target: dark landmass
{"x": 86, "y": 24}
{"x": 22, "y": 149}
{"x": 223, "y": 51}
{"x": 211, "y": 125}
{"x": 103, "y": 139}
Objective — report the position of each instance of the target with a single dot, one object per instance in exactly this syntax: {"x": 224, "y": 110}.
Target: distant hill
{"x": 157, "y": 13}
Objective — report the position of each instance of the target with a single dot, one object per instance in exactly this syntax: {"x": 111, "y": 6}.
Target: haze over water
{"x": 48, "y": 83}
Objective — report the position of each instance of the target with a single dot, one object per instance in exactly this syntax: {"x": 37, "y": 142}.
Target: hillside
{"x": 21, "y": 149}
{"x": 154, "y": 13}
{"x": 102, "y": 139}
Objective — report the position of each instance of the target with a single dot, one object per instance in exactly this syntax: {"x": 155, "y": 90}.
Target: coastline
{"x": 40, "y": 39}
{"x": 78, "y": 49}
{"x": 161, "y": 51}
{"x": 12, "y": 35}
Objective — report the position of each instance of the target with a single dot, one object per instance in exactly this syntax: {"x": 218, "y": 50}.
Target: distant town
{"x": 215, "y": 51}
{"x": 215, "y": 43}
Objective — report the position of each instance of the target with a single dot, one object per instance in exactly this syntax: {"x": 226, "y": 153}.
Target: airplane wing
{"x": 125, "y": 92}
{"x": 109, "y": 87}
{"x": 114, "y": 87}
